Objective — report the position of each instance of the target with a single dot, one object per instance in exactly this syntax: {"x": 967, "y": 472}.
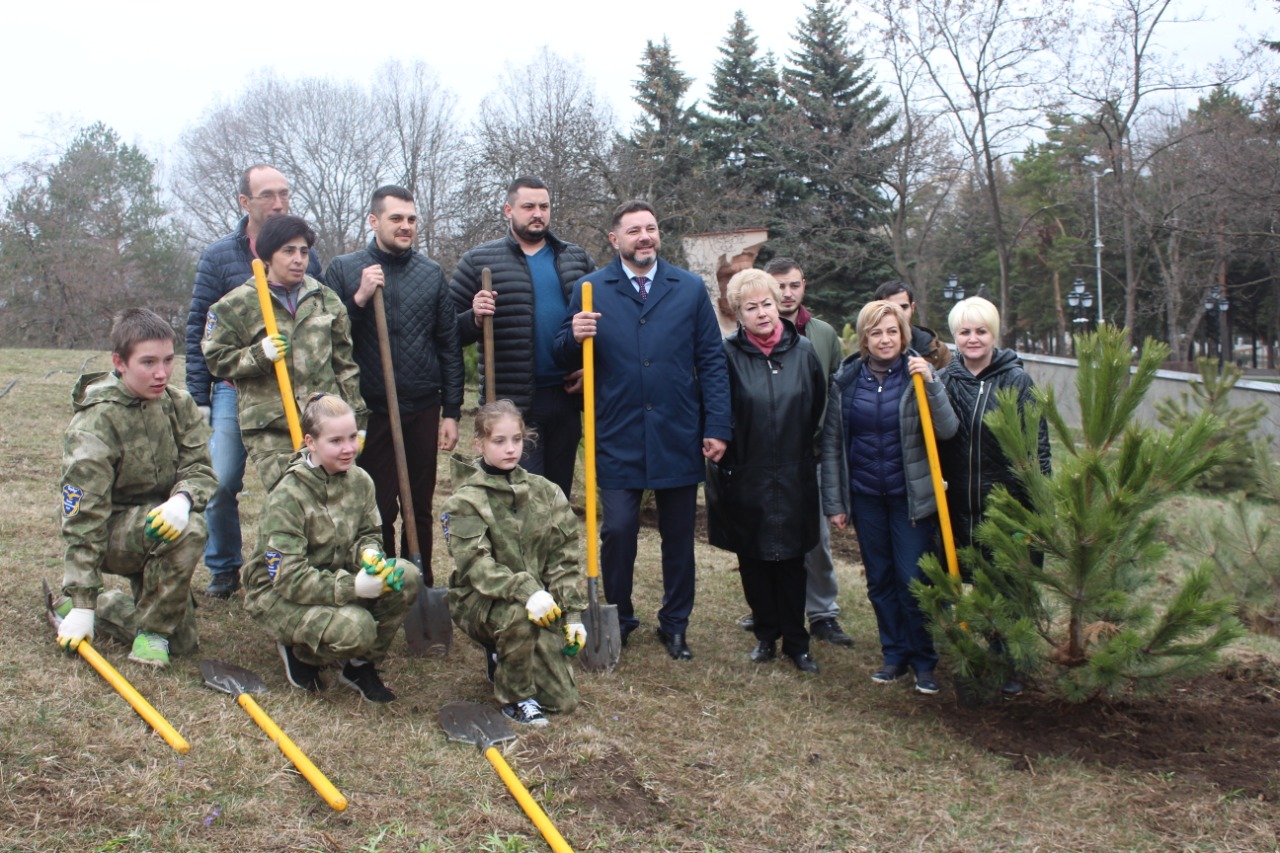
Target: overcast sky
{"x": 150, "y": 70}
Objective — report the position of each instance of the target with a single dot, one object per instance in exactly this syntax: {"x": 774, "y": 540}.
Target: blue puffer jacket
{"x": 898, "y": 467}
{"x": 225, "y": 265}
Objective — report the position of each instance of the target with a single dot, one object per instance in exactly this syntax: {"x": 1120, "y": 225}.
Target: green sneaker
{"x": 150, "y": 649}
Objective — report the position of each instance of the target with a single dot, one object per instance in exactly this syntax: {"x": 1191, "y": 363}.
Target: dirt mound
{"x": 1223, "y": 729}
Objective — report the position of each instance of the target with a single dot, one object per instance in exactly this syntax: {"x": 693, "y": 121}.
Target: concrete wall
{"x": 1060, "y": 375}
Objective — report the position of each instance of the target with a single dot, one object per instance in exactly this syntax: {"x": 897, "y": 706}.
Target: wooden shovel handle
{"x": 282, "y": 370}
{"x": 144, "y": 708}
{"x": 309, "y": 771}
{"x": 935, "y": 469}
{"x": 407, "y": 518}
{"x": 490, "y": 371}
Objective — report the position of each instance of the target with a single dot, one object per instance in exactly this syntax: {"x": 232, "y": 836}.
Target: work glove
{"x": 575, "y": 637}
{"x": 76, "y": 626}
{"x": 360, "y": 441}
{"x": 391, "y": 573}
{"x": 167, "y": 521}
{"x": 275, "y": 347}
{"x": 542, "y": 609}
{"x": 368, "y": 586}
{"x": 206, "y": 412}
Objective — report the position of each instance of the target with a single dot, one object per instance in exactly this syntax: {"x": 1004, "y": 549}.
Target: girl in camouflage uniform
{"x": 514, "y": 542}
{"x": 319, "y": 582}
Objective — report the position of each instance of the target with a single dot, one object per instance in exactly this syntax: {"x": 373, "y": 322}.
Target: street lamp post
{"x": 952, "y": 291}
{"x": 1097, "y": 239}
{"x": 1216, "y": 305}
{"x": 1080, "y": 301}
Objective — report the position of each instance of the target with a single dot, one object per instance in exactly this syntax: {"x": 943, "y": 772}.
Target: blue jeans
{"x": 222, "y": 553}
{"x": 891, "y": 550}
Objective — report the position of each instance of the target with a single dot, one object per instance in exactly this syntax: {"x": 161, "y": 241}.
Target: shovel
{"x": 240, "y": 682}
{"x": 935, "y": 468}
{"x": 484, "y": 726}
{"x": 282, "y": 371}
{"x": 490, "y": 371}
{"x": 604, "y": 634}
{"x": 122, "y": 686}
{"x": 427, "y": 627}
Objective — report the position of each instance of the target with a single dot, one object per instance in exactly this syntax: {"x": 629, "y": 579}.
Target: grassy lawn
{"x": 714, "y": 756}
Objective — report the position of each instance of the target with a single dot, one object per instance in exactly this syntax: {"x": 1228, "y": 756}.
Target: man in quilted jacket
{"x": 423, "y": 336}
{"x": 224, "y": 266}
{"x": 533, "y": 275}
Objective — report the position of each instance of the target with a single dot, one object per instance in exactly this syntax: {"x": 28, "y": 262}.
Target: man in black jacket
{"x": 425, "y": 355}
{"x": 225, "y": 265}
{"x": 533, "y": 275}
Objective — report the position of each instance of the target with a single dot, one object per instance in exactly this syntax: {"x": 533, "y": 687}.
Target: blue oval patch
{"x": 71, "y": 498}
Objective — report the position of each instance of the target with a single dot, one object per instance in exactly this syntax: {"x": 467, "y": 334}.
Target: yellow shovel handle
{"x": 310, "y": 772}
{"x": 144, "y": 708}
{"x": 282, "y": 371}
{"x": 935, "y": 468}
{"x": 531, "y": 808}
{"x": 589, "y": 438}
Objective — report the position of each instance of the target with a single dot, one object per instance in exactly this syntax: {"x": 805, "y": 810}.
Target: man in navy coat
{"x": 662, "y": 404}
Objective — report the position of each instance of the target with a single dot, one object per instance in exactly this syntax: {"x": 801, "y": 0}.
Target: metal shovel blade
{"x": 603, "y": 648}
{"x": 427, "y": 628}
{"x": 482, "y": 725}
{"x": 229, "y": 678}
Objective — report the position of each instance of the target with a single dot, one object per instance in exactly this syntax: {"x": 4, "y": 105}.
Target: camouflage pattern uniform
{"x": 510, "y": 537}
{"x": 301, "y": 583}
{"x": 122, "y": 457}
{"x": 319, "y": 359}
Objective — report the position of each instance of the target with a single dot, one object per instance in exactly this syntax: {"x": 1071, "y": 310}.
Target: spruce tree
{"x": 833, "y": 150}
{"x": 1065, "y": 592}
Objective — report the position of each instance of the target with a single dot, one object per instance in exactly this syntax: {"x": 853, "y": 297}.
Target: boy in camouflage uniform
{"x": 314, "y": 340}
{"x": 311, "y": 583}
{"x": 514, "y": 541}
{"x": 136, "y": 476}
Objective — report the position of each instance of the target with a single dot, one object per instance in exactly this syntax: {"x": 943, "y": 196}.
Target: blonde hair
{"x": 871, "y": 316}
{"x": 319, "y": 408}
{"x": 750, "y": 281}
{"x": 490, "y": 413}
{"x": 975, "y": 308}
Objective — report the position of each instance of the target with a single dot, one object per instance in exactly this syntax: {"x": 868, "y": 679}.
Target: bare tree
{"x": 544, "y": 119}
{"x": 1119, "y": 75}
{"x": 992, "y": 69}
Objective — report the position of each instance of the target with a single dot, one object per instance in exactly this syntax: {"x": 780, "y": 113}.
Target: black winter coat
{"x": 226, "y": 264}
{"x": 421, "y": 329}
{"x": 972, "y": 461}
{"x": 762, "y": 497}
{"x": 513, "y": 356}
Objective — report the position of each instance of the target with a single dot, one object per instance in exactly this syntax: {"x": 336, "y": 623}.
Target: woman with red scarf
{"x": 762, "y": 496}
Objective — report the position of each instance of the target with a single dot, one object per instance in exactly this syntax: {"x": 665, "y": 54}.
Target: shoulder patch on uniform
{"x": 273, "y": 563}
{"x": 211, "y": 320}
{"x": 444, "y": 523}
{"x": 71, "y": 497}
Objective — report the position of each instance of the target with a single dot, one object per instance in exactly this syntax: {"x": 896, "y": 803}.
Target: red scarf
{"x": 765, "y": 345}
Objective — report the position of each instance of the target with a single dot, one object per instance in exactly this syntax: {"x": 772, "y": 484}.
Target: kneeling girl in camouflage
{"x": 514, "y": 541}
{"x": 135, "y": 478}
{"x": 319, "y": 582}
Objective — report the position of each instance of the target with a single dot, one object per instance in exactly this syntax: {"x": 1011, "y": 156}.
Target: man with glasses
{"x": 225, "y": 265}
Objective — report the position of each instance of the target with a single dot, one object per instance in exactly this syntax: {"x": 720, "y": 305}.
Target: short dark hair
{"x": 634, "y": 206}
{"x": 889, "y": 288}
{"x": 778, "y": 266}
{"x": 526, "y": 182}
{"x": 244, "y": 176}
{"x": 378, "y": 202}
{"x": 279, "y": 230}
{"x": 133, "y": 326}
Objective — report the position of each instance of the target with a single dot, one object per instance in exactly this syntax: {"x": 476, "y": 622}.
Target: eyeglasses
{"x": 271, "y": 196}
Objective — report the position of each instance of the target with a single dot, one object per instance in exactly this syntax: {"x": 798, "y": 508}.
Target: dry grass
{"x": 715, "y": 756}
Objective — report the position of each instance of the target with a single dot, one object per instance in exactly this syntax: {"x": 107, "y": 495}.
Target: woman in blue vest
{"x": 890, "y": 489}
